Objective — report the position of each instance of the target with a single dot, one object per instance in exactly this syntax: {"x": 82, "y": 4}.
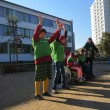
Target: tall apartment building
{"x": 100, "y": 19}
{"x": 28, "y": 19}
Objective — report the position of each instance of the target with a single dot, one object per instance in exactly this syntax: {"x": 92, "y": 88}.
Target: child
{"x": 42, "y": 57}
{"x": 67, "y": 53}
{"x": 58, "y": 47}
{"x": 72, "y": 63}
{"x": 84, "y": 63}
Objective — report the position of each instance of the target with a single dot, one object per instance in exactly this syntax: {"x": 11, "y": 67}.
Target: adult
{"x": 90, "y": 49}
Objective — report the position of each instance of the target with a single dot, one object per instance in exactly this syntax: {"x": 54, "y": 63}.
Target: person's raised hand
{"x": 40, "y": 19}
{"x": 64, "y": 27}
{"x": 59, "y": 24}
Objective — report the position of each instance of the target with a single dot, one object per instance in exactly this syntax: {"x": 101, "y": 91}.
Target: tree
{"x": 15, "y": 41}
{"x": 104, "y": 45}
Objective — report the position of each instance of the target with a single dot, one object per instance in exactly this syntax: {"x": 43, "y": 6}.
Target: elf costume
{"x": 58, "y": 48}
{"x": 43, "y": 60}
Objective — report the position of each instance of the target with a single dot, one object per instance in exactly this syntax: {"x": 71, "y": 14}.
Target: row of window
{"x": 24, "y": 49}
{"x": 25, "y": 17}
{"x": 5, "y": 31}
{"x": 28, "y": 33}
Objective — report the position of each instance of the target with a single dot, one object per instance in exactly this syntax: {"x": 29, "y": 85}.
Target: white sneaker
{"x": 54, "y": 91}
{"x": 81, "y": 80}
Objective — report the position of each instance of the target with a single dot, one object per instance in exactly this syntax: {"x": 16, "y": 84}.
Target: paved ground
{"x": 17, "y": 92}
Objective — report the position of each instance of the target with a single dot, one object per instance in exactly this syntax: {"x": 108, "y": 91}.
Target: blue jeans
{"x": 59, "y": 71}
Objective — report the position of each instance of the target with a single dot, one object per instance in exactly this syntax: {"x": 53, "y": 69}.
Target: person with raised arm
{"x": 42, "y": 57}
{"x": 58, "y": 49}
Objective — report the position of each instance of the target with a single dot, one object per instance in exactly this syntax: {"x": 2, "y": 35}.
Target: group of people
{"x": 53, "y": 49}
{"x": 79, "y": 64}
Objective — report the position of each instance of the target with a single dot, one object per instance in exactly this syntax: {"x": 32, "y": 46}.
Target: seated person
{"x": 72, "y": 63}
{"x": 67, "y": 53}
{"x": 84, "y": 63}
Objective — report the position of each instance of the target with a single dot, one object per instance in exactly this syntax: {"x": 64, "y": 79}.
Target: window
{"x": 22, "y": 31}
{"x": 26, "y": 17}
{"x": 27, "y": 48}
{"x": 31, "y": 33}
{"x": 1, "y": 13}
{"x": 9, "y": 12}
{"x": 33, "y": 19}
{"x": 25, "y": 32}
{"x": 4, "y": 12}
{"x": 69, "y": 39}
{"x": 6, "y": 30}
{"x": 54, "y": 24}
{"x": 69, "y": 26}
{"x": 48, "y": 22}
{"x": 19, "y": 15}
{"x": 19, "y": 32}
{"x": 3, "y": 48}
{"x": 51, "y": 34}
{"x": 47, "y": 34}
{"x": 1, "y": 29}
{"x": 51, "y": 23}
{"x": 66, "y": 27}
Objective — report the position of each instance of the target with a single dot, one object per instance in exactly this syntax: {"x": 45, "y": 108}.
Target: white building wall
{"x": 21, "y": 57}
{"x": 107, "y": 15}
{"x": 93, "y": 23}
{"x": 100, "y": 19}
{"x": 24, "y": 57}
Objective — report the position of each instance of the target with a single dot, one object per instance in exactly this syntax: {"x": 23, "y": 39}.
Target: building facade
{"x": 100, "y": 19}
{"x": 28, "y": 19}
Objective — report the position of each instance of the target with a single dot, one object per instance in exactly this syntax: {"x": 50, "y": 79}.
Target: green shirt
{"x": 41, "y": 48}
{"x": 57, "y": 51}
{"x": 71, "y": 59}
{"x": 82, "y": 59}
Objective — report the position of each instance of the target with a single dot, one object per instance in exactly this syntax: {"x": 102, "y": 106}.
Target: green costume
{"x": 57, "y": 51}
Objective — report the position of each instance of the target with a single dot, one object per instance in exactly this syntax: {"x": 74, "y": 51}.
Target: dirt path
{"x": 17, "y": 92}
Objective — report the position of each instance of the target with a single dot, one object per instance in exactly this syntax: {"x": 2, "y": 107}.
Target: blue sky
{"x": 76, "y": 10}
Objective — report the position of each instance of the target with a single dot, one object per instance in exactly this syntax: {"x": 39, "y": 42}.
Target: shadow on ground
{"x": 18, "y": 88}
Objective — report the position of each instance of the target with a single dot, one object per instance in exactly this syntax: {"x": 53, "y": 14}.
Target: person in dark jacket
{"x": 90, "y": 49}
